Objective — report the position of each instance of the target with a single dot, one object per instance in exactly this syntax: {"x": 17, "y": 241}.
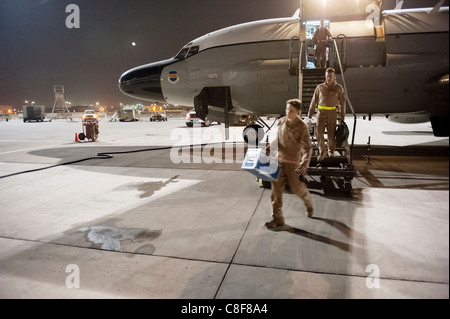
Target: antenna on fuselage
{"x": 299, "y": 15}
{"x": 437, "y": 7}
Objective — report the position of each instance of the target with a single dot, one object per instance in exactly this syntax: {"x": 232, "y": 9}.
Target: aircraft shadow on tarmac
{"x": 377, "y": 171}
{"x": 138, "y": 230}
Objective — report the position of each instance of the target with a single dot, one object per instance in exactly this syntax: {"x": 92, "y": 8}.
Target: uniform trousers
{"x": 321, "y": 55}
{"x": 326, "y": 118}
{"x": 288, "y": 175}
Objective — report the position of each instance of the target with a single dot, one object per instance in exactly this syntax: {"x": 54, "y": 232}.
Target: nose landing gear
{"x": 253, "y": 134}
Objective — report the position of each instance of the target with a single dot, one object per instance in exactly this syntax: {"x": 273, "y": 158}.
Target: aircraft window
{"x": 193, "y": 50}
{"x": 182, "y": 53}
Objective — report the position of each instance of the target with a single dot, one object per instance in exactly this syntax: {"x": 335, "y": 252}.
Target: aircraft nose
{"x": 144, "y": 82}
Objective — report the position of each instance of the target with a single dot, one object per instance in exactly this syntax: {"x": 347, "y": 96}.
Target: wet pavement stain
{"x": 148, "y": 189}
{"x": 110, "y": 238}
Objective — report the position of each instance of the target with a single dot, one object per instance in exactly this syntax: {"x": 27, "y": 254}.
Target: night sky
{"x": 38, "y": 51}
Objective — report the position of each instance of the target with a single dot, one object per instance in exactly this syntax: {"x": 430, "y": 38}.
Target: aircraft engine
{"x": 410, "y": 118}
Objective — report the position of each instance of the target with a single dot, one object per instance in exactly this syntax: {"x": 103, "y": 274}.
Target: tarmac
{"x": 157, "y": 210}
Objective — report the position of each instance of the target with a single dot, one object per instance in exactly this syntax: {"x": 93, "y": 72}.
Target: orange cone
{"x": 76, "y": 137}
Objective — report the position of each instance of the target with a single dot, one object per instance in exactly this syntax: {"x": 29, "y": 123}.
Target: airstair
{"x": 311, "y": 79}
{"x": 341, "y": 165}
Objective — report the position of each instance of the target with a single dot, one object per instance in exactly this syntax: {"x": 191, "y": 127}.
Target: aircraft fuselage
{"x": 403, "y": 71}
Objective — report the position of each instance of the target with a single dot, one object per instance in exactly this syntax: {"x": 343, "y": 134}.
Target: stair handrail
{"x": 303, "y": 55}
{"x": 348, "y": 100}
{"x": 300, "y": 72}
{"x": 292, "y": 51}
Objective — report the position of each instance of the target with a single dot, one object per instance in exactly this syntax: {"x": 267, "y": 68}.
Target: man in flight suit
{"x": 327, "y": 97}
{"x": 294, "y": 152}
{"x": 320, "y": 38}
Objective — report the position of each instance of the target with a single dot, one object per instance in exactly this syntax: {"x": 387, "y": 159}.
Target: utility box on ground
{"x": 33, "y": 113}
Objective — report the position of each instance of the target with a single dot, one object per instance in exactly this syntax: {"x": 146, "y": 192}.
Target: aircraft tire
{"x": 348, "y": 187}
{"x": 207, "y": 122}
{"x": 253, "y": 134}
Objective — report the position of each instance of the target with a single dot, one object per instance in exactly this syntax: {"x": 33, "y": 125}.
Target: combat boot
{"x": 309, "y": 211}
{"x": 275, "y": 222}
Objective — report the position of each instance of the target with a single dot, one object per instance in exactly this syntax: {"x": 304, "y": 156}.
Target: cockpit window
{"x": 186, "y": 52}
{"x": 182, "y": 53}
{"x": 194, "y": 50}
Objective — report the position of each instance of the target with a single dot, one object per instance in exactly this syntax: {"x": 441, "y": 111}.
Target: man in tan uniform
{"x": 327, "y": 97}
{"x": 320, "y": 38}
{"x": 294, "y": 152}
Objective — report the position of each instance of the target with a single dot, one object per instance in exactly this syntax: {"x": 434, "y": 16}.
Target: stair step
{"x": 311, "y": 79}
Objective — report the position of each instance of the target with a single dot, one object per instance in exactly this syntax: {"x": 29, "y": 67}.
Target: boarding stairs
{"x": 341, "y": 165}
{"x": 311, "y": 79}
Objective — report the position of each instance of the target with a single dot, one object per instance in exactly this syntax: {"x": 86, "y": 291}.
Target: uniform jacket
{"x": 320, "y": 36}
{"x": 328, "y": 96}
{"x": 294, "y": 142}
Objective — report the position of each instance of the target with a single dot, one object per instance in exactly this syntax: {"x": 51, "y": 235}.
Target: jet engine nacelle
{"x": 410, "y": 118}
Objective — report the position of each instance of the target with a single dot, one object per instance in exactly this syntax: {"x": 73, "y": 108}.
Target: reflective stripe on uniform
{"x": 327, "y": 107}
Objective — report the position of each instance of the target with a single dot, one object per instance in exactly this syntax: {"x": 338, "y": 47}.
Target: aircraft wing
{"x": 333, "y": 9}
{"x": 338, "y": 10}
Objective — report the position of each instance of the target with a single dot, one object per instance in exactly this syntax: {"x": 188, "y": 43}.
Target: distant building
{"x": 6, "y": 110}
{"x": 169, "y": 109}
{"x": 153, "y": 108}
{"x": 81, "y": 108}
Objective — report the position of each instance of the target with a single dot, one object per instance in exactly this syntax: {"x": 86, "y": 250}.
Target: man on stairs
{"x": 320, "y": 38}
{"x": 328, "y": 98}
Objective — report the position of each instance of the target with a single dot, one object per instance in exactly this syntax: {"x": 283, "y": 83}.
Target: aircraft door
{"x": 215, "y": 96}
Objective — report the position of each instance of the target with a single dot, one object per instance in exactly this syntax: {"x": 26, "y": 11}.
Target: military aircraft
{"x": 393, "y": 63}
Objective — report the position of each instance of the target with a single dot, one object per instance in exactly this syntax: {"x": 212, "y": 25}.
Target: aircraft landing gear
{"x": 253, "y": 134}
